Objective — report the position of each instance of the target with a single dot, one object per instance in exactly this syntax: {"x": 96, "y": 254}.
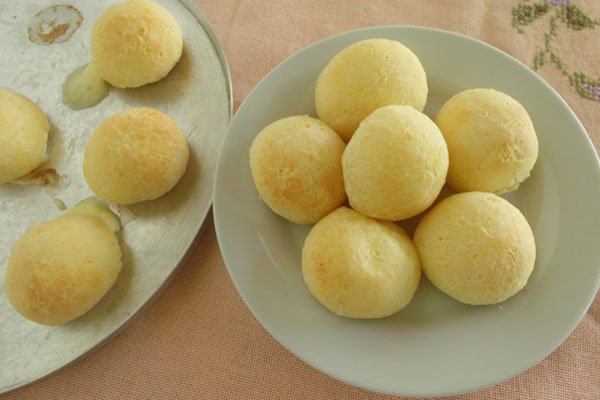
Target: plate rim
{"x": 219, "y": 231}
{"x": 204, "y": 22}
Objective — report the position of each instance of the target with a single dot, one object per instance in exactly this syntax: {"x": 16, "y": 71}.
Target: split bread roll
{"x": 297, "y": 170}
{"x": 395, "y": 165}
{"x": 358, "y": 267}
{"x": 364, "y": 77}
{"x": 491, "y": 141}
{"x": 60, "y": 269}
{"x": 135, "y": 42}
{"x": 476, "y": 247}
{"x": 136, "y": 155}
{"x": 24, "y": 132}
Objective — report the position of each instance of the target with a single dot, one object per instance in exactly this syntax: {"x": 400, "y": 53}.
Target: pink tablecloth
{"x": 198, "y": 340}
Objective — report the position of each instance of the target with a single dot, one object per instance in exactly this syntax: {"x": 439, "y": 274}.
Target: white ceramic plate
{"x": 435, "y": 346}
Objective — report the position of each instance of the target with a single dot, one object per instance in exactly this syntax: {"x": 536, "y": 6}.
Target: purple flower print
{"x": 592, "y": 90}
{"x": 567, "y": 14}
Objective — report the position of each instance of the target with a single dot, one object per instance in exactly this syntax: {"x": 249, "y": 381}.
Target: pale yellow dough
{"x": 476, "y": 247}
{"x": 24, "y": 132}
{"x": 364, "y": 77}
{"x": 84, "y": 88}
{"x": 60, "y": 269}
{"x": 92, "y": 207}
{"x": 135, "y": 42}
{"x": 135, "y": 155}
{"x": 491, "y": 141}
{"x": 395, "y": 164}
{"x": 358, "y": 267}
{"x": 297, "y": 170}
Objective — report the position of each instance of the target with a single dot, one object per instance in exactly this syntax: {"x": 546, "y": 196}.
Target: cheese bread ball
{"x": 358, "y": 267}
{"x": 491, "y": 141}
{"x": 364, "y": 77}
{"x": 23, "y": 135}
{"x": 476, "y": 247}
{"x": 135, "y": 155}
{"x": 60, "y": 269}
{"x": 297, "y": 169}
{"x": 135, "y": 42}
{"x": 395, "y": 165}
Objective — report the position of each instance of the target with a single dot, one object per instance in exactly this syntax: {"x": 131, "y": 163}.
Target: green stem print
{"x": 566, "y": 13}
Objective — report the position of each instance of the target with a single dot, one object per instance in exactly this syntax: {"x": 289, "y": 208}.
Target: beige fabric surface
{"x": 198, "y": 340}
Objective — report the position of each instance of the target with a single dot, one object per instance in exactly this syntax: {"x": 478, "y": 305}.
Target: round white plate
{"x": 156, "y": 234}
{"x": 435, "y": 346}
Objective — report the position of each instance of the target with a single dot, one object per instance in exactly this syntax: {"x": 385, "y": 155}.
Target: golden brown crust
{"x": 24, "y": 132}
{"x": 135, "y": 42}
{"x": 395, "y": 164}
{"x": 60, "y": 269}
{"x": 491, "y": 141}
{"x": 364, "y": 77}
{"x": 476, "y": 247}
{"x": 135, "y": 155}
{"x": 358, "y": 267}
{"x": 296, "y": 167}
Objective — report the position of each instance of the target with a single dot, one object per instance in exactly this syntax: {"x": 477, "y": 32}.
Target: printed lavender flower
{"x": 565, "y": 13}
{"x": 558, "y": 2}
{"x": 593, "y": 91}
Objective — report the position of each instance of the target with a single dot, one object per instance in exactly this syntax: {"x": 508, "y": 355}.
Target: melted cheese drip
{"x": 59, "y": 204}
{"x": 95, "y": 208}
{"x": 84, "y": 88}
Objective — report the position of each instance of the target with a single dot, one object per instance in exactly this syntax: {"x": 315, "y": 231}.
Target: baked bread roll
{"x": 395, "y": 164}
{"x": 135, "y": 155}
{"x": 364, "y": 77}
{"x": 491, "y": 141}
{"x": 476, "y": 247}
{"x": 297, "y": 170}
{"x": 135, "y": 42}
{"x": 60, "y": 269}
{"x": 24, "y": 132}
{"x": 358, "y": 267}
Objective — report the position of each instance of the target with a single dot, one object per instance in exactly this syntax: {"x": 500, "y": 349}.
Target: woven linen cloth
{"x": 199, "y": 341}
